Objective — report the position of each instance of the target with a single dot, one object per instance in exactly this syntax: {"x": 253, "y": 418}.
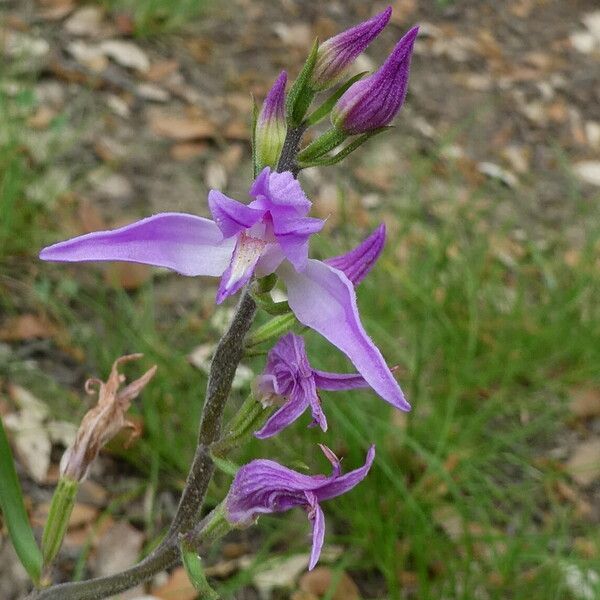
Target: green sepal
{"x": 15, "y": 515}
{"x": 225, "y": 465}
{"x": 248, "y": 419}
{"x": 195, "y": 572}
{"x": 61, "y": 508}
{"x": 265, "y": 284}
{"x": 265, "y": 302}
{"x": 301, "y": 95}
{"x": 320, "y": 113}
{"x": 344, "y": 152}
{"x": 274, "y": 328}
{"x": 322, "y": 145}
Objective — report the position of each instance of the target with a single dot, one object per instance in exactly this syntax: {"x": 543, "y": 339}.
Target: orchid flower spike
{"x": 264, "y": 486}
{"x": 336, "y": 54}
{"x": 288, "y": 376}
{"x": 271, "y": 125}
{"x": 374, "y": 101}
{"x": 268, "y": 235}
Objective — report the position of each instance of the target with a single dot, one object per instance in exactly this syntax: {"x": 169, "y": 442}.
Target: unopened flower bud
{"x": 101, "y": 423}
{"x": 374, "y": 101}
{"x": 271, "y": 126}
{"x": 336, "y": 54}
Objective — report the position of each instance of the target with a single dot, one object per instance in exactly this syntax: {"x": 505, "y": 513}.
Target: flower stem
{"x": 226, "y": 359}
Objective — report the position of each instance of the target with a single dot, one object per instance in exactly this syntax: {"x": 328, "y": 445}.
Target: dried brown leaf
{"x": 323, "y": 579}
{"x": 584, "y": 464}
{"x": 181, "y": 128}
{"x": 26, "y": 327}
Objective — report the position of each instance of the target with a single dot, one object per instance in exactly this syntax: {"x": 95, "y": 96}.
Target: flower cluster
{"x": 246, "y": 244}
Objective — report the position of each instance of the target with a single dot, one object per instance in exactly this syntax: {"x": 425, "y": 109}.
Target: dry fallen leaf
{"x": 585, "y": 402}
{"x": 181, "y": 128}
{"x": 323, "y": 579}
{"x": 188, "y": 150}
{"x": 42, "y": 118}
{"x": 126, "y": 54}
{"x": 178, "y": 587}
{"x": 588, "y": 171}
{"x": 280, "y": 573}
{"x": 118, "y": 548}
{"x": 87, "y": 21}
{"x": 584, "y": 464}
{"x": 26, "y": 327}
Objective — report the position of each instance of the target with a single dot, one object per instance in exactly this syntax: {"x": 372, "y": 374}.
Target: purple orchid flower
{"x": 271, "y": 125}
{"x": 336, "y": 54}
{"x": 264, "y": 486}
{"x": 289, "y": 375}
{"x": 374, "y": 101}
{"x": 268, "y": 235}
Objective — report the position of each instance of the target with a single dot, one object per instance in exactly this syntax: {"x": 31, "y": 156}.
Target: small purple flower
{"x": 289, "y": 376}
{"x": 374, "y": 101}
{"x": 264, "y": 486}
{"x": 271, "y": 126}
{"x": 268, "y": 235}
{"x": 336, "y": 54}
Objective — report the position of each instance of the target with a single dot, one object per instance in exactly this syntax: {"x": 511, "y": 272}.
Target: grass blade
{"x": 15, "y": 516}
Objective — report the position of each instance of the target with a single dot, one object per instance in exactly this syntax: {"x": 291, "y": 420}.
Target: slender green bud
{"x": 271, "y": 126}
{"x": 272, "y": 329}
{"x": 61, "y": 508}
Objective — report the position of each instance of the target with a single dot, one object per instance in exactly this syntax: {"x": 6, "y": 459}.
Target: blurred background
{"x": 487, "y": 295}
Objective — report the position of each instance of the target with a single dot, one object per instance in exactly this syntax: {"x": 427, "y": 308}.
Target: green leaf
{"x": 322, "y": 145}
{"x": 15, "y": 515}
{"x": 344, "y": 152}
{"x": 320, "y": 113}
{"x": 300, "y": 95}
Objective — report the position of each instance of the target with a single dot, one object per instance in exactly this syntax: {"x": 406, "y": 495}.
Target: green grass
{"x": 153, "y": 17}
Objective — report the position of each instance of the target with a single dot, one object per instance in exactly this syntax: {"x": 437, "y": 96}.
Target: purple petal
{"x": 264, "y": 486}
{"x": 230, "y": 215}
{"x": 310, "y": 391}
{"x": 260, "y": 186}
{"x": 357, "y": 263}
{"x": 336, "y": 54}
{"x": 270, "y": 259}
{"x": 336, "y": 486}
{"x": 280, "y": 190}
{"x": 243, "y": 261}
{"x": 283, "y": 417}
{"x": 273, "y": 107}
{"x": 317, "y": 519}
{"x": 293, "y": 236}
{"x": 323, "y": 299}
{"x": 337, "y": 382}
{"x": 374, "y": 101}
{"x": 184, "y": 243}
